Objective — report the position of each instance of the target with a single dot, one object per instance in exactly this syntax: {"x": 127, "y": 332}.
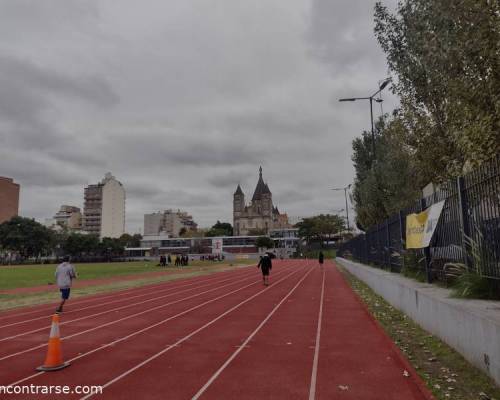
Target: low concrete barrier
{"x": 472, "y": 327}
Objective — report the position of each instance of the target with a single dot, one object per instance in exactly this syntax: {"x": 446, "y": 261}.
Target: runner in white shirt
{"x": 65, "y": 273}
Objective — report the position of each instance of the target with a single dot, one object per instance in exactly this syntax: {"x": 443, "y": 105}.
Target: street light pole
{"x": 382, "y": 86}
{"x": 345, "y": 189}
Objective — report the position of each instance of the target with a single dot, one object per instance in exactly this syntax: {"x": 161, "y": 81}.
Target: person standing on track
{"x": 321, "y": 258}
{"x": 265, "y": 265}
{"x": 65, "y": 273}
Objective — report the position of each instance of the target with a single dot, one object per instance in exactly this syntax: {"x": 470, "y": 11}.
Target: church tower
{"x": 238, "y": 208}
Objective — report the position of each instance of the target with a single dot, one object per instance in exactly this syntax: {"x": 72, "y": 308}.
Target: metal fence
{"x": 468, "y": 230}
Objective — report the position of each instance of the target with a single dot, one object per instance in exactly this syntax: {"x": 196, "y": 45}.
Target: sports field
{"x": 34, "y": 284}
{"x": 222, "y": 336}
{"x": 18, "y": 276}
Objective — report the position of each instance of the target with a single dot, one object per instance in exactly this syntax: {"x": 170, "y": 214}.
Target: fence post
{"x": 401, "y": 240}
{"x": 464, "y": 219}
{"x": 427, "y": 251}
{"x": 388, "y": 240}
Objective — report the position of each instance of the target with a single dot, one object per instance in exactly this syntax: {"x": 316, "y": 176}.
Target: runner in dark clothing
{"x": 265, "y": 265}
{"x": 321, "y": 258}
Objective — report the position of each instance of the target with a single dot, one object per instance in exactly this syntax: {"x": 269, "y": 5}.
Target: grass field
{"x": 18, "y": 276}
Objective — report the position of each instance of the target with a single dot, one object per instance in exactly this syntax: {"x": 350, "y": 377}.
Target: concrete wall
{"x": 472, "y": 327}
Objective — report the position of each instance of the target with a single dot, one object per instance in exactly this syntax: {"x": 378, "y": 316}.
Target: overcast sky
{"x": 183, "y": 99}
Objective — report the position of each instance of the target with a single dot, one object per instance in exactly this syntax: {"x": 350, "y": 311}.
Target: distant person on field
{"x": 321, "y": 258}
{"x": 169, "y": 260}
{"x": 65, "y": 273}
{"x": 265, "y": 265}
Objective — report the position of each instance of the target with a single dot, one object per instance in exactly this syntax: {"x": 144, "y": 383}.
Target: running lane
{"x": 103, "y": 361}
{"x": 276, "y": 362}
{"x": 357, "y": 360}
{"x": 79, "y": 339}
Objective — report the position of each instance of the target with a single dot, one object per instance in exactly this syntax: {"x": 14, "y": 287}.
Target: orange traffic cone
{"x": 54, "y": 360}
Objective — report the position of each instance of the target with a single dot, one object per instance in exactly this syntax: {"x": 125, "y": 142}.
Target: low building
{"x": 168, "y": 222}
{"x": 9, "y": 199}
{"x": 227, "y": 246}
{"x": 286, "y": 241}
{"x": 69, "y": 217}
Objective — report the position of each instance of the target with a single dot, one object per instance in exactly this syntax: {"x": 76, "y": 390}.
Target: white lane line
{"x": 165, "y": 290}
{"x": 116, "y": 293}
{"x": 124, "y": 318}
{"x": 155, "y": 298}
{"x": 187, "y": 337}
{"x": 235, "y": 354}
{"x": 314, "y": 373}
{"x": 150, "y": 327}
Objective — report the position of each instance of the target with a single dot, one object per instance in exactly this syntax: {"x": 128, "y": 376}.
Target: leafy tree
{"x": 257, "y": 232}
{"x": 447, "y": 64}
{"x": 389, "y": 183}
{"x": 220, "y": 229}
{"x": 264, "y": 242}
{"x": 25, "y": 236}
{"x": 77, "y": 244}
{"x": 182, "y": 231}
{"x": 128, "y": 240}
{"x": 320, "y": 227}
{"x": 190, "y": 233}
{"x": 111, "y": 247}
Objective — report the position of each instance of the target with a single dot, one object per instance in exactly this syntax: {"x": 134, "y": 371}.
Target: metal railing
{"x": 468, "y": 231}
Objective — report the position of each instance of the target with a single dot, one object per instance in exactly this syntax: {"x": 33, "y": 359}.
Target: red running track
{"x": 226, "y": 336}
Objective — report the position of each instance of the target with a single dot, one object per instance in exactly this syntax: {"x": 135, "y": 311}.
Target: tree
{"x": 128, "y": 240}
{"x": 320, "y": 227}
{"x": 220, "y": 229}
{"x": 190, "y": 233}
{"x": 264, "y": 242}
{"x": 447, "y": 65}
{"x": 77, "y": 244}
{"x": 182, "y": 231}
{"x": 111, "y": 247}
{"x": 25, "y": 236}
{"x": 390, "y": 183}
{"x": 256, "y": 231}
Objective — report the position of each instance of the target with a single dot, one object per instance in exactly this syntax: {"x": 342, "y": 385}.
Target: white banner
{"x": 217, "y": 246}
{"x": 432, "y": 221}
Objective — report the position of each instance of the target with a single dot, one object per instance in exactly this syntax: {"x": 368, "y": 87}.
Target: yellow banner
{"x": 415, "y": 227}
{"x": 420, "y": 227}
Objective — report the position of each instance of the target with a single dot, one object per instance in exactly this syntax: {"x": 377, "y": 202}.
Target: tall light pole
{"x": 345, "y": 189}
{"x": 371, "y": 98}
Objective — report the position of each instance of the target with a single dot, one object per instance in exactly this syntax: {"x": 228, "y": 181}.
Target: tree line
{"x": 445, "y": 64}
{"x": 30, "y": 239}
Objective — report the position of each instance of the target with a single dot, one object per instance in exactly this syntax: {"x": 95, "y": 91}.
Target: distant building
{"x": 168, "y": 222}
{"x": 260, "y": 214}
{"x": 9, "y": 199}
{"x": 69, "y": 217}
{"x": 104, "y": 208}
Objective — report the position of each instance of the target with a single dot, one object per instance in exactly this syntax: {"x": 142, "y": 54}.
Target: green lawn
{"x": 12, "y": 277}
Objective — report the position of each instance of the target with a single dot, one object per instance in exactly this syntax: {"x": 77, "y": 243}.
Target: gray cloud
{"x": 184, "y": 100}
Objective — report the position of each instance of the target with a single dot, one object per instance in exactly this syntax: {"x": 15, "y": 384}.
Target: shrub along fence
{"x": 468, "y": 231}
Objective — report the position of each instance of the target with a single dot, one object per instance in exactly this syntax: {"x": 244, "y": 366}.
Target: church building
{"x": 259, "y": 214}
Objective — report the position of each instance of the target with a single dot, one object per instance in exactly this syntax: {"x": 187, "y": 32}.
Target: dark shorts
{"x": 65, "y": 293}
{"x": 265, "y": 271}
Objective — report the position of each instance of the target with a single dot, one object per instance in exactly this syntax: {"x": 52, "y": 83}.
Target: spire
{"x": 238, "y": 191}
{"x": 261, "y": 187}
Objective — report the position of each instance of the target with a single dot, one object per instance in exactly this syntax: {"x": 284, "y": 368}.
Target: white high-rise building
{"x": 104, "y": 208}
